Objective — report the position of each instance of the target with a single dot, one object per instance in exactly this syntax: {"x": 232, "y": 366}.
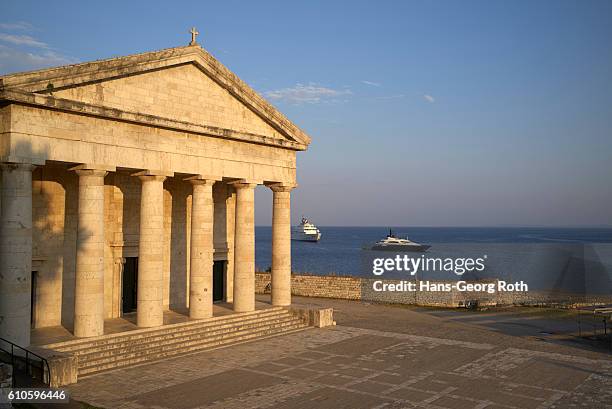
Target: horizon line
{"x": 471, "y": 227}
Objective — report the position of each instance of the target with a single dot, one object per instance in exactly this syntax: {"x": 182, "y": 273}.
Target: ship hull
{"x": 305, "y": 237}
{"x": 401, "y": 249}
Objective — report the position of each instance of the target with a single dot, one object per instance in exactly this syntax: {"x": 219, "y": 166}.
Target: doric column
{"x": 281, "y": 244}
{"x": 201, "y": 254}
{"x": 150, "y": 306}
{"x": 244, "y": 248}
{"x": 16, "y": 252}
{"x": 89, "y": 280}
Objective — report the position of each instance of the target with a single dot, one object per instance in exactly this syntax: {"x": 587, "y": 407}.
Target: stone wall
{"x": 356, "y": 288}
{"x": 343, "y": 287}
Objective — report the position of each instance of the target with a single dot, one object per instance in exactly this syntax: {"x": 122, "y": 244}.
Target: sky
{"x": 421, "y": 113}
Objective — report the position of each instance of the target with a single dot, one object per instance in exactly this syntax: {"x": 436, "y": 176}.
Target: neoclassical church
{"x": 128, "y": 187}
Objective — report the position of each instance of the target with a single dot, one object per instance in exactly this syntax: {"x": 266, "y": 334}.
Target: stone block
{"x": 63, "y": 366}
{"x": 315, "y": 317}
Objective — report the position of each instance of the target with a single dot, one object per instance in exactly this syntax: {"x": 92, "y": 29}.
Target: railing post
{"x": 47, "y": 375}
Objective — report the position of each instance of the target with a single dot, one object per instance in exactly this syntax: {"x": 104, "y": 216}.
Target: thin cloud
{"x": 371, "y": 83}
{"x": 308, "y": 94}
{"x": 17, "y": 26}
{"x": 13, "y": 60}
{"x": 22, "y": 40}
{"x": 396, "y": 96}
{"x": 429, "y": 98}
{"x": 21, "y": 52}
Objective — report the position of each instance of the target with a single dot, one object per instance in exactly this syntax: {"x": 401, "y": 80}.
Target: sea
{"x": 544, "y": 254}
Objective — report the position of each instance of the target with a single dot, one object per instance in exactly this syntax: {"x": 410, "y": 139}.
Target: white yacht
{"x": 394, "y": 243}
{"x": 306, "y": 231}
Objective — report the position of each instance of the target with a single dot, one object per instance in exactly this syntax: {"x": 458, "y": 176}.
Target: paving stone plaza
{"x": 373, "y": 358}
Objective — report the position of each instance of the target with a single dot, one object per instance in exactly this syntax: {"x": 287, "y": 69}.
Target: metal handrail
{"x": 46, "y": 375}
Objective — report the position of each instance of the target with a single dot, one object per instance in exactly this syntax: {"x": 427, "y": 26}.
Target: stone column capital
{"x": 90, "y": 169}
{"x": 153, "y": 175}
{"x": 94, "y": 166}
{"x": 282, "y": 187}
{"x": 91, "y": 172}
{"x": 151, "y": 178}
{"x": 244, "y": 184}
{"x": 203, "y": 180}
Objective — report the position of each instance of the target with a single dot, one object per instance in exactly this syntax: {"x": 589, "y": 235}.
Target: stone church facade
{"x": 128, "y": 184}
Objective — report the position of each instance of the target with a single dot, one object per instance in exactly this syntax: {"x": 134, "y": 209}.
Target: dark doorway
{"x": 33, "y": 298}
{"x": 130, "y": 284}
{"x": 218, "y": 287}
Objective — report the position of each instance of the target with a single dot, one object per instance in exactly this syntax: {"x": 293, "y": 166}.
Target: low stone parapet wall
{"x": 344, "y": 287}
{"x": 357, "y": 288}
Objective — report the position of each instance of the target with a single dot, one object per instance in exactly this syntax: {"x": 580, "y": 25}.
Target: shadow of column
{"x": 177, "y": 216}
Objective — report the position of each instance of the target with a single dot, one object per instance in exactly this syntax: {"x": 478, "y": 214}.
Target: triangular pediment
{"x": 184, "y": 84}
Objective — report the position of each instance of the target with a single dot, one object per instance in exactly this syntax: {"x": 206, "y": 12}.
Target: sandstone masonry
{"x": 127, "y": 185}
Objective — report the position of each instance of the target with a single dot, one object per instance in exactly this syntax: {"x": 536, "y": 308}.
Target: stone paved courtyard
{"x": 356, "y": 366}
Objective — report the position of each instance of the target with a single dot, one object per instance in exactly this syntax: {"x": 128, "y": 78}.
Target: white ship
{"x": 306, "y": 231}
{"x": 394, "y": 243}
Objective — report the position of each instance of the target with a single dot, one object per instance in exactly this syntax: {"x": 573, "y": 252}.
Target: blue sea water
{"x": 340, "y": 251}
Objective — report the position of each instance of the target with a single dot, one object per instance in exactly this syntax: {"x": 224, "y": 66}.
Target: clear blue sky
{"x": 429, "y": 113}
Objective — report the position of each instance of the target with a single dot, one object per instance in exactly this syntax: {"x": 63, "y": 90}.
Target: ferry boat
{"x": 306, "y": 231}
{"x": 394, "y": 243}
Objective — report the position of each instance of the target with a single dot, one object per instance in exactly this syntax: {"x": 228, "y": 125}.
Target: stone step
{"x": 114, "y": 354}
{"x": 97, "y": 367}
{"x": 155, "y": 350}
{"x": 181, "y": 337}
{"x": 184, "y": 334}
{"x": 76, "y": 345}
{"x": 166, "y": 334}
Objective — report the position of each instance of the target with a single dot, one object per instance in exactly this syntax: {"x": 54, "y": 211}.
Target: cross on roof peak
{"x": 194, "y": 34}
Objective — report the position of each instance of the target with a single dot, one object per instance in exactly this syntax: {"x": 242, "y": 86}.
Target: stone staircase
{"x": 144, "y": 345}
